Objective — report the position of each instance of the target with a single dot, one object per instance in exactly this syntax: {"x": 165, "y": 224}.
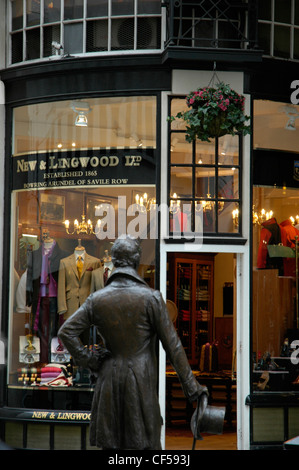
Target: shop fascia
{"x": 89, "y": 169}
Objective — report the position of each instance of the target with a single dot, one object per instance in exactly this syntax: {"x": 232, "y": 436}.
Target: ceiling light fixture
{"x": 82, "y": 108}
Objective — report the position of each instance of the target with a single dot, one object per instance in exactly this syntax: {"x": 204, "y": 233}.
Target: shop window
{"x": 204, "y": 177}
{"x": 82, "y": 26}
{"x": 60, "y": 175}
{"x": 275, "y": 235}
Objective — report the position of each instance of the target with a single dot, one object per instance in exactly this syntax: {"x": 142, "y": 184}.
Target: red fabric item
{"x": 265, "y": 236}
{"x": 271, "y": 234}
{"x": 51, "y": 369}
{"x": 288, "y": 234}
{"x": 179, "y": 222}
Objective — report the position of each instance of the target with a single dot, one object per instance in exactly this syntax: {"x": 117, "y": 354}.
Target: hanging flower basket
{"x": 214, "y": 111}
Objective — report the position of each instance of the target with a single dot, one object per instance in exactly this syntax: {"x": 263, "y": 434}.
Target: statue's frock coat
{"x": 130, "y": 317}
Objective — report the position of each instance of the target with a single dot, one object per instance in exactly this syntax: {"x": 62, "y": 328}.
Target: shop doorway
{"x": 201, "y": 297}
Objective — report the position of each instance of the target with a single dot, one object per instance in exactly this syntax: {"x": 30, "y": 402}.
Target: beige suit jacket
{"x": 72, "y": 291}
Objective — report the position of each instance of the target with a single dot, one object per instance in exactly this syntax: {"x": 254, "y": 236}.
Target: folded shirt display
{"x": 202, "y": 294}
{"x": 55, "y": 375}
{"x": 200, "y": 315}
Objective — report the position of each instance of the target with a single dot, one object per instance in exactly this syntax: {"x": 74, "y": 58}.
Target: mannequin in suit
{"x": 108, "y": 266}
{"x": 74, "y": 286}
{"x": 41, "y": 291}
{"x": 100, "y": 276}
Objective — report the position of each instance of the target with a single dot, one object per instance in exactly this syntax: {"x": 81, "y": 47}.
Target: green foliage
{"x": 214, "y": 111}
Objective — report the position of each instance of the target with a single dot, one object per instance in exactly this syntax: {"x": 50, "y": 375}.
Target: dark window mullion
{"x": 240, "y": 182}
{"x": 193, "y": 186}
{"x": 216, "y": 184}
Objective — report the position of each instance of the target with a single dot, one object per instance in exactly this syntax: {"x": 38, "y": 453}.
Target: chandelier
{"x": 260, "y": 217}
{"x": 81, "y": 227}
{"x": 144, "y": 203}
{"x": 295, "y": 220}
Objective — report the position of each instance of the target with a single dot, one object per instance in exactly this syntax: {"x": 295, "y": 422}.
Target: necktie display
{"x": 106, "y": 273}
{"x": 79, "y": 265}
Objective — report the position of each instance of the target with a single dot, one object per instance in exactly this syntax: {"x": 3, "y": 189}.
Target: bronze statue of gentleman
{"x": 130, "y": 317}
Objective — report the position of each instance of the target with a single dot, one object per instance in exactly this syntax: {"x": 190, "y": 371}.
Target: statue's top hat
{"x": 207, "y": 418}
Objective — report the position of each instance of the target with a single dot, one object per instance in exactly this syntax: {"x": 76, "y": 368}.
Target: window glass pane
{"x": 148, "y": 7}
{"x": 52, "y": 11}
{"x": 17, "y": 14}
{"x": 228, "y": 150}
{"x": 281, "y": 41}
{"x": 109, "y": 122}
{"x": 296, "y": 19}
{"x": 51, "y": 34}
{"x": 178, "y": 105}
{"x": 282, "y": 11}
{"x": 122, "y": 8}
{"x": 60, "y": 174}
{"x": 205, "y": 182}
{"x": 228, "y": 183}
{"x": 122, "y": 34}
{"x": 32, "y": 13}
{"x": 296, "y": 43}
{"x": 180, "y": 216}
{"x": 205, "y": 152}
{"x": 275, "y": 219}
{"x": 271, "y": 120}
{"x": 33, "y": 44}
{"x": 181, "y": 181}
{"x": 276, "y": 328}
{"x": 148, "y": 33}
{"x": 180, "y": 150}
{"x": 264, "y": 35}
{"x": 97, "y": 36}
{"x": 73, "y": 9}
{"x": 73, "y": 38}
{"x": 264, "y": 9}
{"x": 97, "y": 8}
{"x": 16, "y": 47}
{"x": 209, "y": 217}
{"x": 228, "y": 217}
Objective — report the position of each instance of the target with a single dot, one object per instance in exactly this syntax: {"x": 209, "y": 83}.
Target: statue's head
{"x": 126, "y": 251}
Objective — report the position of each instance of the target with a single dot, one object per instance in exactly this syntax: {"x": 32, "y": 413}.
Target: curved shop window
{"x": 275, "y": 304}
{"x": 79, "y": 170}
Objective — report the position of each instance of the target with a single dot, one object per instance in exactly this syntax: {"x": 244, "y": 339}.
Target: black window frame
{"x": 194, "y": 199}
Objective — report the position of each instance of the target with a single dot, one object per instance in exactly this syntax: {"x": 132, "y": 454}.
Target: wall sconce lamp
{"x": 235, "y": 215}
